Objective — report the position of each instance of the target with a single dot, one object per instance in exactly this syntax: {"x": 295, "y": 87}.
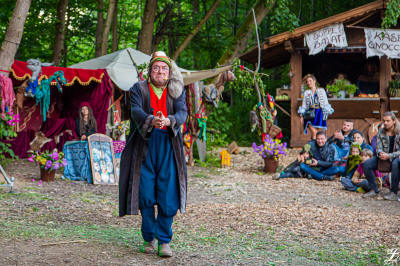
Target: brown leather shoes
{"x": 164, "y": 250}
{"x": 149, "y": 247}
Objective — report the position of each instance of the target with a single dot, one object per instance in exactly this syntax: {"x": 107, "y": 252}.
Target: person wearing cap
{"x": 153, "y": 169}
{"x": 86, "y": 123}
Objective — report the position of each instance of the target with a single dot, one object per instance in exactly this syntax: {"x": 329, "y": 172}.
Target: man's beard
{"x": 164, "y": 83}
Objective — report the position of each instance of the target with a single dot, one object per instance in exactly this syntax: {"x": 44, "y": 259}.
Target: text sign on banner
{"x": 318, "y": 40}
{"x": 382, "y": 42}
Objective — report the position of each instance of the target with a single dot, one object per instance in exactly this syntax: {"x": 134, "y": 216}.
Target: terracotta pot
{"x": 270, "y": 165}
{"x": 47, "y": 175}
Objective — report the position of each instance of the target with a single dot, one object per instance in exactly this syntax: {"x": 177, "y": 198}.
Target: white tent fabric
{"x": 121, "y": 67}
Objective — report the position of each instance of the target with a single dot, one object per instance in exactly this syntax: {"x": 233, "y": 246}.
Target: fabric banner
{"x": 318, "y": 40}
{"x": 78, "y": 161}
{"x": 382, "y": 42}
{"x": 20, "y": 71}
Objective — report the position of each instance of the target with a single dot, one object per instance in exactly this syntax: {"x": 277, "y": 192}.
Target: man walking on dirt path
{"x": 153, "y": 169}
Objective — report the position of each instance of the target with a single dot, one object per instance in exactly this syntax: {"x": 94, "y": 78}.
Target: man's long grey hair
{"x": 175, "y": 83}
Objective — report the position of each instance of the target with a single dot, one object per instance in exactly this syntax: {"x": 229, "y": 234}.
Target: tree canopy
{"x": 173, "y": 21}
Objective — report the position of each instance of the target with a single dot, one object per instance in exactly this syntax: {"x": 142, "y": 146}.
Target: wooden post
{"x": 384, "y": 77}
{"x": 295, "y": 87}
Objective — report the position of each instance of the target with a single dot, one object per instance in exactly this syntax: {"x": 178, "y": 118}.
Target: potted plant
{"x": 48, "y": 162}
{"x": 271, "y": 150}
{"x": 394, "y": 88}
{"x": 333, "y": 89}
{"x": 351, "y": 89}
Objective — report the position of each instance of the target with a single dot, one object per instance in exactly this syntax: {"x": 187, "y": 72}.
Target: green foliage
{"x": 342, "y": 85}
{"x": 212, "y": 160}
{"x": 392, "y": 14}
{"x": 394, "y": 84}
{"x": 282, "y": 17}
{"x": 6, "y": 131}
{"x": 218, "y": 120}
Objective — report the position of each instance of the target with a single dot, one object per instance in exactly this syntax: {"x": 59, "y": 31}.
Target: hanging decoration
{"x": 202, "y": 126}
{"x": 42, "y": 93}
{"x": 7, "y": 94}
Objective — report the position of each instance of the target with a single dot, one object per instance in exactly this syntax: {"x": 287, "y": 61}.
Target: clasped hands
{"x": 159, "y": 121}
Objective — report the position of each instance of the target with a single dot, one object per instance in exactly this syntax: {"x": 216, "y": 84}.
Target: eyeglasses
{"x": 157, "y": 68}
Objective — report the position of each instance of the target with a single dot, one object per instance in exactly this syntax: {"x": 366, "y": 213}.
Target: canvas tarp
{"x": 121, "y": 66}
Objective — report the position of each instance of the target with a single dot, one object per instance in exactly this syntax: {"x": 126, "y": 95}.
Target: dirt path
{"x": 234, "y": 216}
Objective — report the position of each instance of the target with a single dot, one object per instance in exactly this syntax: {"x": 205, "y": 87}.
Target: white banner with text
{"x": 318, "y": 40}
{"x": 382, "y": 42}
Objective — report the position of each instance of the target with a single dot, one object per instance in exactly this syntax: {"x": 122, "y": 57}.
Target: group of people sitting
{"x": 361, "y": 167}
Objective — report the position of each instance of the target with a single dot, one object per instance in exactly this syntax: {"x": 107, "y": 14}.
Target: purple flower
{"x": 31, "y": 159}
{"x": 64, "y": 163}
{"x": 56, "y": 165}
{"x": 48, "y": 164}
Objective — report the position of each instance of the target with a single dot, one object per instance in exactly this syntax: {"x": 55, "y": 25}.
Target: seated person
{"x": 358, "y": 182}
{"x": 342, "y": 139}
{"x": 293, "y": 169}
{"x": 86, "y": 123}
{"x": 353, "y": 160}
{"x": 368, "y": 82}
{"x": 388, "y": 152}
{"x": 321, "y": 167}
{"x": 359, "y": 138}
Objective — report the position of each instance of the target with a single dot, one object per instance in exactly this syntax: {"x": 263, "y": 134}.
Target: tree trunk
{"x": 99, "y": 27}
{"x": 68, "y": 22}
{"x": 114, "y": 46}
{"x": 162, "y": 26}
{"x": 195, "y": 52}
{"x": 107, "y": 27}
{"x": 146, "y": 33}
{"x": 60, "y": 32}
{"x": 13, "y": 35}
{"x": 235, "y": 17}
{"x": 245, "y": 31}
{"x": 196, "y": 30}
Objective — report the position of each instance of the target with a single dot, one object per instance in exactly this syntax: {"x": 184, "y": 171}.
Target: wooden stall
{"x": 289, "y": 47}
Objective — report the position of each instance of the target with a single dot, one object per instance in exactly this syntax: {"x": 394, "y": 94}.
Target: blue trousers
{"x": 349, "y": 185}
{"x": 333, "y": 170}
{"x": 341, "y": 152}
{"x": 372, "y": 164}
{"x": 158, "y": 186}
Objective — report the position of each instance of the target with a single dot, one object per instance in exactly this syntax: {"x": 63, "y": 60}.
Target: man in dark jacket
{"x": 321, "y": 166}
{"x": 387, "y": 150}
{"x": 153, "y": 170}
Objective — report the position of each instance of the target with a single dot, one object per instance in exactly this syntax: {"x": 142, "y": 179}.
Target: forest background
{"x": 70, "y": 31}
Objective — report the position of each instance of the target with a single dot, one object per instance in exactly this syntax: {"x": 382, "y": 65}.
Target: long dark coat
{"x": 136, "y": 148}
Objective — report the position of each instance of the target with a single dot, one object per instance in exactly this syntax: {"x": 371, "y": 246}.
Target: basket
{"x": 272, "y": 130}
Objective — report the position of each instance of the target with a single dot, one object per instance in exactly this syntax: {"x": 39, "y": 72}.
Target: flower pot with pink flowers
{"x": 49, "y": 162}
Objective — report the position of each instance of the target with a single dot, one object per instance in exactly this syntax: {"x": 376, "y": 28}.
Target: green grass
{"x": 226, "y": 244}
{"x": 34, "y": 196}
{"x": 104, "y": 234}
{"x": 212, "y": 160}
{"x": 200, "y": 175}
